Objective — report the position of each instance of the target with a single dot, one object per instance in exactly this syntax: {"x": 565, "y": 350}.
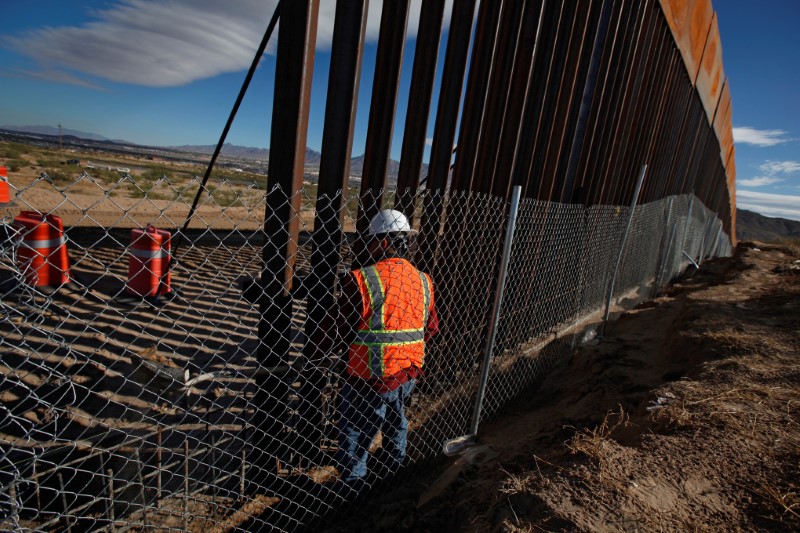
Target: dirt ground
{"x": 684, "y": 415}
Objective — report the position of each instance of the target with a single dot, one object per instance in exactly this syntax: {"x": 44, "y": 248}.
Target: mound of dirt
{"x": 684, "y": 416}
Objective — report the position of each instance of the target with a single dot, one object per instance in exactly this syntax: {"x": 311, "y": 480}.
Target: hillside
{"x": 751, "y": 226}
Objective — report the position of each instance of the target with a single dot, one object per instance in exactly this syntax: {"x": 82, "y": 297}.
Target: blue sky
{"x": 166, "y": 72}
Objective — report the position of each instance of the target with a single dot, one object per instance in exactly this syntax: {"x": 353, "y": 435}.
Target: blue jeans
{"x": 362, "y": 414}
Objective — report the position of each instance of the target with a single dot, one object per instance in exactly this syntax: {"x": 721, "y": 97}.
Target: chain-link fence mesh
{"x": 136, "y": 397}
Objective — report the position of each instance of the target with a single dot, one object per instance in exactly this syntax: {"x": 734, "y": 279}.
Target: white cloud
{"x": 167, "y": 43}
{"x": 748, "y": 135}
{"x": 429, "y": 141}
{"x": 59, "y": 77}
{"x": 772, "y": 205}
{"x": 759, "y": 181}
{"x": 776, "y": 167}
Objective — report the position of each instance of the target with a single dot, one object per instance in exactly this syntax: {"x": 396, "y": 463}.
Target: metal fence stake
{"x": 458, "y": 443}
{"x": 159, "y": 439}
{"x": 138, "y": 459}
{"x": 688, "y": 223}
{"x": 67, "y": 519}
{"x": 613, "y": 282}
{"x": 667, "y": 257}
{"x": 110, "y": 508}
{"x": 186, "y": 484}
{"x": 663, "y": 252}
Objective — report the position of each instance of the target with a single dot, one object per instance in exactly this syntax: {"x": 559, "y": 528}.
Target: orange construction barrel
{"x": 5, "y": 197}
{"x": 149, "y": 259}
{"x": 42, "y": 254}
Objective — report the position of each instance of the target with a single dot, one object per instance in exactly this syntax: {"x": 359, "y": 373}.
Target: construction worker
{"x": 387, "y": 313}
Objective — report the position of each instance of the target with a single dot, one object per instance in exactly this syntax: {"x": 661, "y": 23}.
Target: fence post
{"x": 186, "y": 484}
{"x": 686, "y": 227}
{"x": 613, "y": 282}
{"x": 667, "y": 258}
{"x": 140, "y": 476}
{"x": 662, "y": 256}
{"x": 714, "y": 252}
{"x": 110, "y": 508}
{"x": 496, "y": 307}
{"x": 67, "y": 518}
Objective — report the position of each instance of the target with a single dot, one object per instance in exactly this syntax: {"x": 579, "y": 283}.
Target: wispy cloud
{"x": 57, "y": 76}
{"x": 780, "y": 167}
{"x": 167, "y": 43}
{"x": 771, "y": 172}
{"x": 772, "y": 205}
{"x": 748, "y": 135}
{"x": 760, "y": 181}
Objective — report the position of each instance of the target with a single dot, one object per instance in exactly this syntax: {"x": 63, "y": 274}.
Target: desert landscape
{"x": 683, "y": 415}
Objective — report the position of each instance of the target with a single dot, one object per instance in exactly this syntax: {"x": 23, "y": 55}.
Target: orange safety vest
{"x": 396, "y": 300}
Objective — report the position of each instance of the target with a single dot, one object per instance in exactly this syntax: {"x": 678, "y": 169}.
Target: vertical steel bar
{"x": 586, "y": 101}
{"x": 293, "y": 75}
{"x": 445, "y": 129}
{"x": 475, "y": 98}
{"x": 419, "y": 105}
{"x": 522, "y": 81}
{"x": 639, "y": 182}
{"x": 334, "y": 172}
{"x": 385, "y": 85}
{"x": 496, "y": 307}
{"x": 497, "y": 94}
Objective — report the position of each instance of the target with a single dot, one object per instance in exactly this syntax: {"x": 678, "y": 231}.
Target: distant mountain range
{"x": 751, "y": 226}
{"x": 313, "y": 157}
{"x": 53, "y": 130}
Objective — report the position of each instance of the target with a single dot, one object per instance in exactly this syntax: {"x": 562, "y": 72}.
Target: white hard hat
{"x": 390, "y": 221}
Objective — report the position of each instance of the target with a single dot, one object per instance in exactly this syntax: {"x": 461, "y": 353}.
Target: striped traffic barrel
{"x": 5, "y": 196}
{"x": 149, "y": 260}
{"x": 42, "y": 254}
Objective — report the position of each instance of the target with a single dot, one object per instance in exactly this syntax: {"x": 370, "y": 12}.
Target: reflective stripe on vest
{"x": 376, "y": 339}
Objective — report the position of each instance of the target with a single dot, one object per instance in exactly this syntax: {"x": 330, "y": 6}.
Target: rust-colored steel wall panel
{"x": 690, "y": 21}
{"x": 723, "y": 127}
{"x": 711, "y": 77}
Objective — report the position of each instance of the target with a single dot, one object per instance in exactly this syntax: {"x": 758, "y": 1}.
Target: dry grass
{"x": 591, "y": 442}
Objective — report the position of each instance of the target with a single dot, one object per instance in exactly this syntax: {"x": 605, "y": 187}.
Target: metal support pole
{"x": 496, "y": 307}
{"x": 639, "y": 182}
{"x": 692, "y": 261}
{"x": 688, "y": 222}
{"x": 715, "y": 249}
{"x": 662, "y": 256}
{"x": 667, "y": 257}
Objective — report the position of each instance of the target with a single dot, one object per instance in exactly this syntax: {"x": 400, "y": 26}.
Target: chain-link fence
{"x": 136, "y": 398}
